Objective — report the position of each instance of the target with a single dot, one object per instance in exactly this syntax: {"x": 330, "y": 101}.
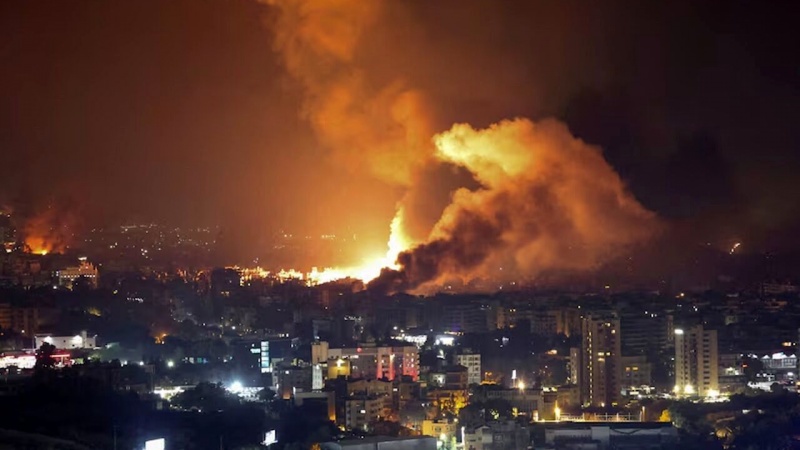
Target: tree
{"x": 413, "y": 414}
{"x": 82, "y": 284}
{"x": 206, "y": 397}
{"x": 472, "y": 415}
{"x": 498, "y": 409}
{"x": 751, "y": 367}
{"x": 303, "y": 430}
{"x": 478, "y": 413}
{"x": 44, "y": 357}
{"x": 389, "y": 428}
{"x": 266, "y": 395}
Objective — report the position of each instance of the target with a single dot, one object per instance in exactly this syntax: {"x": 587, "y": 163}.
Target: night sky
{"x": 182, "y": 112}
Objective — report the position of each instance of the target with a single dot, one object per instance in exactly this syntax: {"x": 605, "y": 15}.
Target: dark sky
{"x": 180, "y": 111}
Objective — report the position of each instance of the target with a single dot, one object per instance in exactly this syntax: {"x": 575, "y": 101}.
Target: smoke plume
{"x": 382, "y": 130}
{"x": 49, "y": 230}
{"x": 544, "y": 201}
{"x": 547, "y": 201}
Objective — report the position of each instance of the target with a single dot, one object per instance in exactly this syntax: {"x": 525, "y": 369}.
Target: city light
{"x": 155, "y": 444}
{"x": 270, "y": 437}
{"x": 347, "y": 196}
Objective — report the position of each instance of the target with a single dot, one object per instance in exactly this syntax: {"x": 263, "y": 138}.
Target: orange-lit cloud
{"x": 546, "y": 200}
{"x": 381, "y": 130}
{"x": 48, "y": 231}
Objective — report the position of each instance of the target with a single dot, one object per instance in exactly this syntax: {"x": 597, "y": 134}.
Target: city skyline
{"x": 396, "y": 224}
{"x": 121, "y": 135}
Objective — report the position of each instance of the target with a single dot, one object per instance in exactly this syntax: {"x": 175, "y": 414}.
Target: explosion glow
{"x": 544, "y": 201}
{"x": 48, "y": 231}
{"x": 37, "y": 245}
{"x": 368, "y": 271}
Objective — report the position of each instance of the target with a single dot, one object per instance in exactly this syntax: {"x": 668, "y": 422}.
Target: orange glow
{"x": 372, "y": 267}
{"x": 367, "y": 271}
{"x": 38, "y": 245}
{"x": 47, "y": 231}
{"x": 547, "y": 200}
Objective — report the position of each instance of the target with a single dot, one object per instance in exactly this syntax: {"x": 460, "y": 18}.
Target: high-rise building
{"x": 465, "y": 318}
{"x": 636, "y": 371}
{"x": 644, "y": 333}
{"x": 696, "y": 362}
{"x": 20, "y": 319}
{"x": 599, "y": 377}
{"x": 574, "y": 366}
{"x": 472, "y": 361}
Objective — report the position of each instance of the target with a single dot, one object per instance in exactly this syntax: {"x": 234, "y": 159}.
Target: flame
{"x": 48, "y": 231}
{"x": 371, "y": 268}
{"x": 545, "y": 201}
{"x": 38, "y": 245}
{"x": 367, "y": 271}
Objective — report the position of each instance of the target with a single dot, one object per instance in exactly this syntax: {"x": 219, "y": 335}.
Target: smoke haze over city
{"x": 318, "y": 118}
{"x": 399, "y": 224}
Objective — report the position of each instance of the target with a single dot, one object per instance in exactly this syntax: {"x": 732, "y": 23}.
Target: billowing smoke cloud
{"x": 381, "y": 130}
{"x": 49, "y": 230}
{"x": 376, "y": 128}
{"x": 545, "y": 200}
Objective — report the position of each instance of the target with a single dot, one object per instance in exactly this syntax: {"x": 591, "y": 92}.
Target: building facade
{"x": 600, "y": 366}
{"x": 696, "y": 362}
{"x": 67, "y": 342}
{"x": 20, "y": 319}
{"x": 68, "y": 276}
{"x": 379, "y": 362}
{"x": 362, "y": 411}
{"x": 472, "y": 361}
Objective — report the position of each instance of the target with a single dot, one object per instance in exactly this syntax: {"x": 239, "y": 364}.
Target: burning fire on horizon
{"x": 541, "y": 200}
{"x": 545, "y": 200}
{"x": 47, "y": 231}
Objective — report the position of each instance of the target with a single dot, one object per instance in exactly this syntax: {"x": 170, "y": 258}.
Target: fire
{"x": 371, "y": 268}
{"x": 542, "y": 200}
{"x": 49, "y": 230}
{"x": 367, "y": 271}
{"x": 38, "y": 245}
